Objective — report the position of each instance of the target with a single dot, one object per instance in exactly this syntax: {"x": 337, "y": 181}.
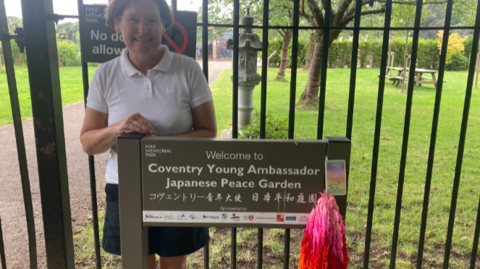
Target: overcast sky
{"x": 69, "y": 7}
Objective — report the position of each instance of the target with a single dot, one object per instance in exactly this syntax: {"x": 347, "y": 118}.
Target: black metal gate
{"x": 45, "y": 90}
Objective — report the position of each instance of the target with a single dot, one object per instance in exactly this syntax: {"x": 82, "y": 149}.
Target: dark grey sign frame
{"x": 134, "y": 232}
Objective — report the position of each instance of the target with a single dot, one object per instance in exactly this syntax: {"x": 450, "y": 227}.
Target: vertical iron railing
{"x": 236, "y": 19}
{"x": 43, "y": 73}
{"x": 323, "y": 74}
{"x": 206, "y": 249}
{"x": 263, "y": 110}
{"x": 406, "y": 133}
{"x": 461, "y": 143}
{"x": 433, "y": 139}
{"x": 91, "y": 159}
{"x": 2, "y": 248}
{"x": 17, "y": 123}
{"x": 353, "y": 69}
{"x": 293, "y": 73}
{"x": 378, "y": 128}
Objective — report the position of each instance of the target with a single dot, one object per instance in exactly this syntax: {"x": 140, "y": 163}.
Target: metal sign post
{"x": 229, "y": 183}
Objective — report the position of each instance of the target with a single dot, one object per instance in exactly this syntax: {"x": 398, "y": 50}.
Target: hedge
{"x": 68, "y": 54}
{"x": 370, "y": 53}
{"x": 339, "y": 55}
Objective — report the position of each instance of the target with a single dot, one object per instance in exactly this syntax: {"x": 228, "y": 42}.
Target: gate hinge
{"x": 54, "y": 17}
{"x": 19, "y": 38}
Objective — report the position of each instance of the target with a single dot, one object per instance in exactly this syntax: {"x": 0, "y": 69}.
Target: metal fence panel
{"x": 39, "y": 27}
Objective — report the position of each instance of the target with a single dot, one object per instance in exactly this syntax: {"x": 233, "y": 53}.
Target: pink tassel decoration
{"x": 324, "y": 242}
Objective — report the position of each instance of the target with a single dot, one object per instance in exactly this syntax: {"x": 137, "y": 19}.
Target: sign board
{"x": 214, "y": 182}
{"x": 100, "y": 43}
{"x": 198, "y": 182}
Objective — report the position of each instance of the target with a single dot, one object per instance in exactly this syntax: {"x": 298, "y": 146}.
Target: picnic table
{"x": 419, "y": 76}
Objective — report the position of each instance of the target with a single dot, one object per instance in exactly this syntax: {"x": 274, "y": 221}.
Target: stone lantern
{"x": 248, "y": 47}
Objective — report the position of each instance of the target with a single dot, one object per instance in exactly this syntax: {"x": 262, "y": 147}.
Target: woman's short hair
{"x": 116, "y": 8}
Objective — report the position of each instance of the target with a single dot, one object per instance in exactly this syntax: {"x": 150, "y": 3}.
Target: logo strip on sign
{"x": 224, "y": 217}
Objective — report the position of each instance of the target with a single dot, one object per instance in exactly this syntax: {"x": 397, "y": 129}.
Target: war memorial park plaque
{"x": 100, "y": 43}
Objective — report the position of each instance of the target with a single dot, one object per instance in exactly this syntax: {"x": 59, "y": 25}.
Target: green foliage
{"x": 70, "y": 28}
{"x": 375, "y": 52}
{"x": 464, "y": 11}
{"x": 370, "y": 53}
{"x": 339, "y": 54}
{"x": 428, "y": 56}
{"x": 18, "y": 58}
{"x": 274, "y": 128}
{"x": 363, "y": 53}
{"x": 276, "y": 45}
{"x": 13, "y": 23}
{"x": 468, "y": 47}
{"x": 455, "y": 45}
{"x": 68, "y": 54}
{"x": 459, "y": 62}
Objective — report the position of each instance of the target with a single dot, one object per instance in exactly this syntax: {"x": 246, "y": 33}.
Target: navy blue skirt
{"x": 164, "y": 241}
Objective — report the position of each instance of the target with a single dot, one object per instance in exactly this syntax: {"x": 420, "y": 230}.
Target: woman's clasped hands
{"x": 136, "y": 123}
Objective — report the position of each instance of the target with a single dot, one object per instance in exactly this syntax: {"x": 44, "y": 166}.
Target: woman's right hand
{"x": 97, "y": 137}
{"x": 135, "y": 123}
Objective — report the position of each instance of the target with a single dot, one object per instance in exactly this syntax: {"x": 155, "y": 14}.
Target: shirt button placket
{"x": 148, "y": 86}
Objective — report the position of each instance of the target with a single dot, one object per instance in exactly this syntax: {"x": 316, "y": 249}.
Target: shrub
{"x": 18, "y": 58}
{"x": 369, "y": 52}
{"x": 363, "y": 51}
{"x": 455, "y": 45}
{"x": 459, "y": 62}
{"x": 468, "y": 47}
{"x": 68, "y": 54}
{"x": 427, "y": 54}
{"x": 274, "y": 128}
{"x": 375, "y": 53}
{"x": 339, "y": 54}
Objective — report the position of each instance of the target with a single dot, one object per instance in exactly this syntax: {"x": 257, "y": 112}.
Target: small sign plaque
{"x": 336, "y": 181}
{"x": 101, "y": 43}
{"x": 267, "y": 183}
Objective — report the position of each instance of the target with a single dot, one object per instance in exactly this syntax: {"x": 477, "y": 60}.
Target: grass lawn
{"x": 389, "y": 160}
{"x": 70, "y": 83}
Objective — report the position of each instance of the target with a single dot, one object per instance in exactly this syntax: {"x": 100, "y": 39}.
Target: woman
{"x": 151, "y": 91}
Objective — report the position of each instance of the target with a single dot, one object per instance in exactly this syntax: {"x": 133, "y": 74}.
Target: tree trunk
{"x": 311, "y": 46}
{"x": 283, "y": 64}
{"x": 310, "y": 94}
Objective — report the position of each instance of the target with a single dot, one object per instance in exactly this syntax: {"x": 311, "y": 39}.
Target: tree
{"x": 281, "y": 14}
{"x": 455, "y": 45}
{"x": 342, "y": 14}
{"x": 466, "y": 10}
{"x": 404, "y": 16}
{"x": 70, "y": 28}
{"x": 13, "y": 24}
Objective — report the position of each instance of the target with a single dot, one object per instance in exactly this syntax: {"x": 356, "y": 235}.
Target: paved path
{"x": 12, "y": 211}
{"x": 214, "y": 68}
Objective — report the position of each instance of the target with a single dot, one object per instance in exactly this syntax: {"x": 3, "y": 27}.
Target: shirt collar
{"x": 163, "y": 66}
{"x": 165, "y": 62}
